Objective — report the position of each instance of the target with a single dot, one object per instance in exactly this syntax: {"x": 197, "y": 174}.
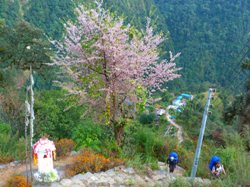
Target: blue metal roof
{"x": 179, "y": 97}
{"x": 186, "y": 95}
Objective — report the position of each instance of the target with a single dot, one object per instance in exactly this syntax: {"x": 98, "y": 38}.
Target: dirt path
{"x": 5, "y": 173}
{"x": 179, "y": 128}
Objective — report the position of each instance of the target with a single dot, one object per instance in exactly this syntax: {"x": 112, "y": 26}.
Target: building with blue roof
{"x": 187, "y": 96}
{"x": 178, "y": 101}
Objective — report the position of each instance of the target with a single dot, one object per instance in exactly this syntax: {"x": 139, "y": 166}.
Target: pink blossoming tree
{"x": 109, "y": 61}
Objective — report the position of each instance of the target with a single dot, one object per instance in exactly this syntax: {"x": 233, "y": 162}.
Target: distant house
{"x": 176, "y": 102}
{"x": 179, "y": 100}
{"x": 172, "y": 107}
{"x": 187, "y": 96}
{"x": 160, "y": 112}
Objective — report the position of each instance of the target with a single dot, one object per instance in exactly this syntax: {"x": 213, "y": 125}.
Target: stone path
{"x": 120, "y": 177}
{"x": 180, "y": 131}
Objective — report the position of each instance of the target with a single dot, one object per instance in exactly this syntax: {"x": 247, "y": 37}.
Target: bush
{"x": 56, "y": 114}
{"x": 11, "y": 148}
{"x": 5, "y": 128}
{"x": 18, "y": 181}
{"x": 238, "y": 169}
{"x": 151, "y": 145}
{"x": 111, "y": 149}
{"x": 87, "y": 134}
{"x": 64, "y": 147}
{"x": 180, "y": 182}
{"x": 88, "y": 161}
{"x": 237, "y": 165}
{"x": 147, "y": 118}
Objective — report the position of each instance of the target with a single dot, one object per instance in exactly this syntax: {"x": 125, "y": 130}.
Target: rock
{"x": 139, "y": 180}
{"x": 55, "y": 184}
{"x": 199, "y": 181}
{"x": 179, "y": 171}
{"x": 161, "y": 164}
{"x": 73, "y": 153}
{"x": 149, "y": 172}
{"x": 119, "y": 168}
{"x": 129, "y": 181}
{"x": 119, "y": 179}
{"x": 76, "y": 185}
{"x": 147, "y": 179}
{"x": 78, "y": 177}
{"x": 129, "y": 171}
{"x": 159, "y": 175}
{"x": 163, "y": 168}
{"x": 103, "y": 184}
{"x": 15, "y": 163}
{"x": 2, "y": 166}
{"x": 104, "y": 181}
{"x": 66, "y": 182}
{"x": 206, "y": 182}
{"x": 92, "y": 184}
{"x": 110, "y": 172}
{"x": 89, "y": 176}
{"x": 77, "y": 182}
{"x": 171, "y": 177}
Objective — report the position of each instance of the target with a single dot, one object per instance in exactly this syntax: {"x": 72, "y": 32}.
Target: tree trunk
{"x": 119, "y": 131}
{"x": 116, "y": 120}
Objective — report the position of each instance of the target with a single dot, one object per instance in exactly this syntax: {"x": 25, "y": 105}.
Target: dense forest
{"x": 213, "y": 39}
{"x": 210, "y": 35}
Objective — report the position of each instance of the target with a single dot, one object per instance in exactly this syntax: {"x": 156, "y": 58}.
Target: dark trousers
{"x": 172, "y": 167}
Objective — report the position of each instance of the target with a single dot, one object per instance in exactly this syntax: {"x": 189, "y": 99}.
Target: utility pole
{"x": 202, "y": 130}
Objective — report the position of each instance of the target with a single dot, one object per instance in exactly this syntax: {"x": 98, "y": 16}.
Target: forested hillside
{"x": 210, "y": 35}
{"x": 10, "y": 11}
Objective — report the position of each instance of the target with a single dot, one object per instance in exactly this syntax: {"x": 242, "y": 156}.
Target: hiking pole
{"x": 202, "y": 130}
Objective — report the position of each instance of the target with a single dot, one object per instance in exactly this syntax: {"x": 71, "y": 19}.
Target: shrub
{"x": 56, "y": 114}
{"x": 5, "y": 128}
{"x": 64, "y": 147}
{"x": 11, "y": 148}
{"x": 18, "y": 181}
{"x": 88, "y": 161}
{"x": 47, "y": 177}
{"x": 87, "y": 134}
{"x": 147, "y": 118}
{"x": 136, "y": 162}
{"x": 185, "y": 157}
{"x": 152, "y": 144}
{"x": 180, "y": 182}
{"x": 237, "y": 166}
{"x": 111, "y": 149}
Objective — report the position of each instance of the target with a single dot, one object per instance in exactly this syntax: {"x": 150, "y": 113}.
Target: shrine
{"x": 44, "y": 152}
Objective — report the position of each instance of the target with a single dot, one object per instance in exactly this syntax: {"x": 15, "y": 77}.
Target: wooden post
{"x": 27, "y": 114}
{"x": 32, "y": 117}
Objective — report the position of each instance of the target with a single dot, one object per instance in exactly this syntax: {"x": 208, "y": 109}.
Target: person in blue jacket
{"x": 216, "y": 167}
{"x": 172, "y": 161}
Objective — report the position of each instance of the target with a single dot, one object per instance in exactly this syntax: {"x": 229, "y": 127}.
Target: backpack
{"x": 213, "y": 161}
{"x": 175, "y": 155}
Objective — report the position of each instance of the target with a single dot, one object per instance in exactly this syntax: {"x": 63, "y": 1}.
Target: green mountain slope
{"x": 10, "y": 11}
{"x": 210, "y": 34}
